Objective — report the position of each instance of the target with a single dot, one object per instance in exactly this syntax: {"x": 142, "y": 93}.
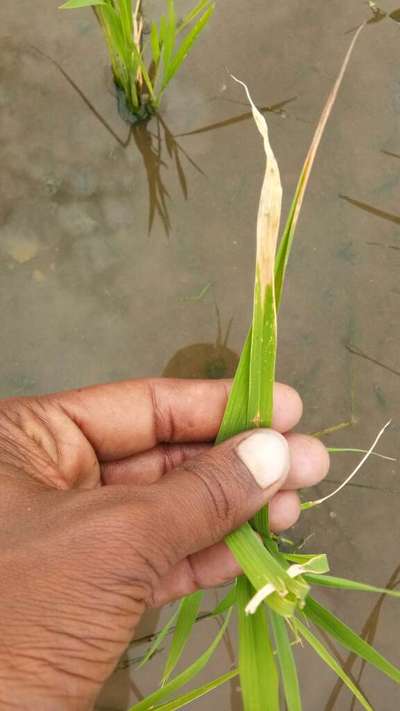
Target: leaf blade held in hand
{"x": 72, "y": 4}
{"x": 343, "y": 634}
{"x": 226, "y": 602}
{"x": 264, "y": 326}
{"x": 287, "y": 664}
{"x": 158, "y": 640}
{"x": 331, "y": 581}
{"x": 162, "y": 694}
{"x": 331, "y": 662}
{"x": 294, "y": 212}
{"x": 259, "y": 680}
{"x": 186, "y": 699}
{"x": 187, "y": 614}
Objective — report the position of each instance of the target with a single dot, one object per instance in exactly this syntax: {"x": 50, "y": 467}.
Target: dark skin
{"x": 113, "y": 501}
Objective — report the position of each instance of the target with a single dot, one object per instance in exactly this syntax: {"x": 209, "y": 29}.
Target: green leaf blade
{"x": 332, "y": 581}
{"x": 187, "y": 699}
{"x": 188, "y": 611}
{"x": 173, "y": 63}
{"x": 343, "y": 634}
{"x": 155, "y": 43}
{"x": 331, "y": 662}
{"x": 75, "y": 4}
{"x": 158, "y": 640}
{"x": 161, "y": 695}
{"x": 192, "y": 14}
{"x": 294, "y": 212}
{"x": 287, "y": 663}
{"x": 259, "y": 680}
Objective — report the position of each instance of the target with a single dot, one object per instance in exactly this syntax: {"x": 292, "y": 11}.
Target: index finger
{"x": 126, "y": 418}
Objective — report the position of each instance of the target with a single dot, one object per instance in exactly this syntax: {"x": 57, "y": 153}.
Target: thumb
{"x": 209, "y": 496}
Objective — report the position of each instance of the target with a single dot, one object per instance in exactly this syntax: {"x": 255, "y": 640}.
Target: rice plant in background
{"x": 273, "y": 602}
{"x": 144, "y": 62}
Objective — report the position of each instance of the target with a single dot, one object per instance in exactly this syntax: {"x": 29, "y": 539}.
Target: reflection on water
{"x": 273, "y": 108}
{"x": 372, "y": 210}
{"x": 204, "y": 360}
{"x": 159, "y": 149}
{"x": 356, "y": 351}
{"x": 150, "y": 145}
{"x": 393, "y": 155}
{"x": 384, "y": 246}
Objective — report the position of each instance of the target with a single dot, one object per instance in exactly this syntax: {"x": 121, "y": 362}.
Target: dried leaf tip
{"x": 269, "y": 211}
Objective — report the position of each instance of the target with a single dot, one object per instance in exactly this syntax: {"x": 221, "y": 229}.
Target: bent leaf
{"x": 327, "y": 621}
{"x": 331, "y": 581}
{"x": 331, "y": 662}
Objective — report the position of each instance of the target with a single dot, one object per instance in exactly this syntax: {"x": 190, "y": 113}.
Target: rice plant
{"x": 273, "y": 601}
{"x": 143, "y": 63}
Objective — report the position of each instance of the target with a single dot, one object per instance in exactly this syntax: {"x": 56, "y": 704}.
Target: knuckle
{"x": 20, "y": 430}
{"x": 163, "y": 420}
{"x": 221, "y": 487}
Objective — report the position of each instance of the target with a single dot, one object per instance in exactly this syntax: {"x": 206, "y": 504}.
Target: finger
{"x": 148, "y": 467}
{"x": 216, "y": 565}
{"x": 210, "y": 568}
{"x": 217, "y": 491}
{"x": 284, "y": 511}
{"x": 122, "y": 419}
{"x": 309, "y": 463}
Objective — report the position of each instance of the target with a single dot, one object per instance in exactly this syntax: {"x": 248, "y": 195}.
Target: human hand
{"x": 113, "y": 500}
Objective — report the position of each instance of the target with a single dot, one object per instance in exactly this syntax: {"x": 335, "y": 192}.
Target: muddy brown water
{"x": 109, "y": 237}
